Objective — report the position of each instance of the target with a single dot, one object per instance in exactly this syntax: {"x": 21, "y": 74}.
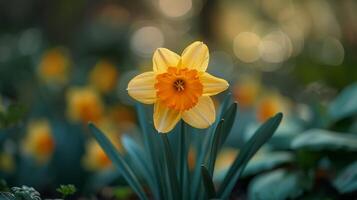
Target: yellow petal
{"x": 196, "y": 56}
{"x": 141, "y": 87}
{"x": 165, "y": 118}
{"x": 212, "y": 85}
{"x": 202, "y": 115}
{"x": 164, "y": 58}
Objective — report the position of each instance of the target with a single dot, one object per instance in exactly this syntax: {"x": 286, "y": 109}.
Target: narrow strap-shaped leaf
{"x": 184, "y": 171}
{"x": 208, "y": 183}
{"x": 261, "y": 136}
{"x": 181, "y": 153}
{"x": 171, "y": 167}
{"x": 214, "y": 147}
{"x": 118, "y": 161}
{"x": 139, "y": 162}
{"x": 202, "y": 154}
{"x": 220, "y": 135}
{"x": 151, "y": 145}
{"x": 229, "y": 117}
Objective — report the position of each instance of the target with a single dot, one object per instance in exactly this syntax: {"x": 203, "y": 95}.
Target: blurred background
{"x": 64, "y": 63}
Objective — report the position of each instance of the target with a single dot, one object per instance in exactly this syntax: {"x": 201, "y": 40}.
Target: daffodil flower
{"x": 179, "y": 87}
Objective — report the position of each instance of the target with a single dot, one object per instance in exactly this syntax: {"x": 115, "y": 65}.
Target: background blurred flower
{"x": 269, "y": 105}
{"x": 225, "y": 158}
{"x": 54, "y": 66}
{"x": 7, "y": 163}
{"x": 95, "y": 159}
{"x": 84, "y": 104}
{"x": 104, "y": 76}
{"x": 39, "y": 142}
{"x": 246, "y": 92}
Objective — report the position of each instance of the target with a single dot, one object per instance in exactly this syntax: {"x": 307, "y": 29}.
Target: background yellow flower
{"x": 39, "y": 142}
{"x": 270, "y": 104}
{"x": 104, "y": 76}
{"x": 54, "y": 66}
{"x": 95, "y": 158}
{"x": 7, "y": 163}
{"x": 84, "y": 104}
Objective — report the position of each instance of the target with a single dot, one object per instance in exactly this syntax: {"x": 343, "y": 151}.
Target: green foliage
{"x": 266, "y": 161}
{"x": 12, "y": 115}
{"x": 25, "y": 193}
{"x": 165, "y": 157}
{"x": 7, "y": 196}
{"x": 118, "y": 161}
{"x": 122, "y": 192}
{"x": 345, "y": 104}
{"x": 66, "y": 190}
{"x": 3, "y": 186}
{"x": 319, "y": 139}
{"x": 261, "y": 136}
{"x": 346, "y": 181}
{"x": 276, "y": 185}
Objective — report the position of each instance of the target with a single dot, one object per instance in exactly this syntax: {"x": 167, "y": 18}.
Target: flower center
{"x": 179, "y": 89}
{"x": 179, "y": 85}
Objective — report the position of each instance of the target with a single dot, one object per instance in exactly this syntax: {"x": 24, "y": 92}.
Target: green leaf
{"x": 276, "y": 185}
{"x": 261, "y": 136}
{"x": 267, "y": 161}
{"x": 208, "y": 183}
{"x": 204, "y": 150}
{"x": 123, "y": 193}
{"x": 229, "y": 119}
{"x": 7, "y": 196}
{"x": 152, "y": 144}
{"x": 171, "y": 168}
{"x": 183, "y": 164}
{"x": 118, "y": 161}
{"x": 214, "y": 147}
{"x": 220, "y": 135}
{"x": 66, "y": 190}
{"x": 136, "y": 156}
{"x": 319, "y": 139}
{"x": 346, "y": 181}
{"x": 345, "y": 104}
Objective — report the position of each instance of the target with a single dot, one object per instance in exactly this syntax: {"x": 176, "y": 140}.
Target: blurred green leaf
{"x": 118, "y": 161}
{"x": 66, "y": 190}
{"x": 266, "y": 161}
{"x": 208, "y": 183}
{"x": 26, "y": 193}
{"x": 7, "y": 196}
{"x": 319, "y": 139}
{"x": 346, "y": 181}
{"x": 123, "y": 192}
{"x": 276, "y": 185}
{"x": 345, "y": 104}
{"x": 261, "y": 136}
{"x": 12, "y": 115}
